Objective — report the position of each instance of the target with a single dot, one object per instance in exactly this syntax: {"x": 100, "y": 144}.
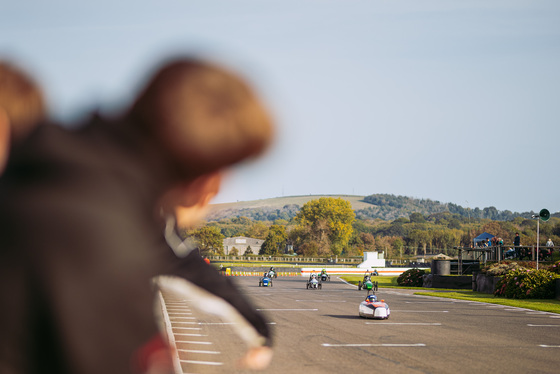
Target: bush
{"x": 527, "y": 284}
{"x": 500, "y": 269}
{"x": 555, "y": 268}
{"x": 411, "y": 278}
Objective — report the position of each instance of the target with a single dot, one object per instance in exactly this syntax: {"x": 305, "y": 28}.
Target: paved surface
{"x": 320, "y": 331}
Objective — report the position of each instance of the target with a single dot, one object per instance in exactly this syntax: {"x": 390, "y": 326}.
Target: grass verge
{"x": 387, "y": 282}
{"x": 542, "y": 305}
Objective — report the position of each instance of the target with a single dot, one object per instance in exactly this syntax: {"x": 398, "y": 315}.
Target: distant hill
{"x": 274, "y": 208}
{"x": 382, "y": 206}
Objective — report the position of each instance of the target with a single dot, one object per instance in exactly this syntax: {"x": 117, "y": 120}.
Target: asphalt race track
{"x": 319, "y": 331}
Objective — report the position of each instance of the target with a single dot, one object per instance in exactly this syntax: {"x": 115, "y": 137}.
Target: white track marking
{"x": 210, "y": 363}
{"x": 375, "y": 345}
{"x": 404, "y": 323}
{"x": 288, "y": 310}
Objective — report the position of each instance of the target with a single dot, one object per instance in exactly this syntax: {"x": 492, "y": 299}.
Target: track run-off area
{"x": 320, "y": 331}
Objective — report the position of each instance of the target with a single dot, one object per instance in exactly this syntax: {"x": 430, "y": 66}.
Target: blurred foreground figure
{"x": 82, "y": 229}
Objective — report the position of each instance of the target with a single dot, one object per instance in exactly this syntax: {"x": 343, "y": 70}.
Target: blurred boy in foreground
{"x": 82, "y": 230}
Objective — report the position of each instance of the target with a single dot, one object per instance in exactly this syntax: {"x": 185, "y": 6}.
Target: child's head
{"x": 206, "y": 119}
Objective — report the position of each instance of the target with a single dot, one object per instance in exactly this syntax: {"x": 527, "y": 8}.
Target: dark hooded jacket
{"x": 81, "y": 240}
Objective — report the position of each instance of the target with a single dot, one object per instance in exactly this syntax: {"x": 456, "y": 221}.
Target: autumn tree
{"x": 209, "y": 240}
{"x": 248, "y": 251}
{"x": 275, "y": 240}
{"x": 327, "y": 223}
{"x": 368, "y": 240}
{"x": 502, "y": 230}
{"x": 416, "y": 218}
{"x": 258, "y": 230}
{"x": 397, "y": 245}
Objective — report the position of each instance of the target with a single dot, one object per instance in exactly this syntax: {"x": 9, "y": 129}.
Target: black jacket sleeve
{"x": 194, "y": 269}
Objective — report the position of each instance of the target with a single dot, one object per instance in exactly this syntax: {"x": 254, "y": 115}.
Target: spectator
{"x": 517, "y": 240}
{"x": 81, "y": 238}
{"x": 550, "y": 247}
{"x": 22, "y": 99}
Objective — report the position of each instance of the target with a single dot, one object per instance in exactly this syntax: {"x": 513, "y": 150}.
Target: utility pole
{"x": 544, "y": 215}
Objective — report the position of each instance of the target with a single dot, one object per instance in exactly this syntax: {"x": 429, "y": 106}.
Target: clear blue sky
{"x": 456, "y": 101}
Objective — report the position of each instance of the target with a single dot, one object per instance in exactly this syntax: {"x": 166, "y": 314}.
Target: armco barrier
{"x": 304, "y": 272}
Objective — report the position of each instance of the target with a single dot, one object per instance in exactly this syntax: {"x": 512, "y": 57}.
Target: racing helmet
{"x": 371, "y": 298}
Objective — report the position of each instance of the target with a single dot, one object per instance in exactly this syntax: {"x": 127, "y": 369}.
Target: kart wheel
{"x": 307, "y": 285}
{"x": 359, "y": 285}
{"x": 320, "y": 286}
{"x": 270, "y": 283}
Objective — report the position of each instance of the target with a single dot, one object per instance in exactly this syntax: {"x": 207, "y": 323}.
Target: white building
{"x": 372, "y": 260}
{"x": 241, "y": 243}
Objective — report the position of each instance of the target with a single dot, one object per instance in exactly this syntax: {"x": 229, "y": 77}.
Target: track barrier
{"x": 259, "y": 274}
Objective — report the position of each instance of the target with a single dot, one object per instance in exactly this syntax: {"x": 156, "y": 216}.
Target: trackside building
{"x": 242, "y": 243}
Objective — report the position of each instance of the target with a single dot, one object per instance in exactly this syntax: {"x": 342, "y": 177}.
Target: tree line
{"x": 383, "y": 206}
{"x": 329, "y": 227}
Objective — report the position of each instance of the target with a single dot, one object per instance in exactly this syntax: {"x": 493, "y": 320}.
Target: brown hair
{"x": 205, "y": 116}
{"x": 22, "y": 100}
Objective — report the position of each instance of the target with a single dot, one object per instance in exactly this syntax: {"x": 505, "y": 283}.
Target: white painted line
{"x": 374, "y": 345}
{"x": 271, "y": 323}
{"x": 549, "y": 346}
{"x": 185, "y": 323}
{"x": 531, "y": 325}
{"x": 428, "y": 302}
{"x": 211, "y": 363}
{"x": 183, "y": 334}
{"x": 421, "y": 311}
{"x": 404, "y": 323}
{"x": 170, "y": 336}
{"x": 216, "y": 323}
{"x": 196, "y": 351}
{"x": 288, "y": 310}
{"x": 187, "y": 328}
{"x": 192, "y": 342}
{"x": 175, "y": 318}
{"x": 179, "y": 314}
